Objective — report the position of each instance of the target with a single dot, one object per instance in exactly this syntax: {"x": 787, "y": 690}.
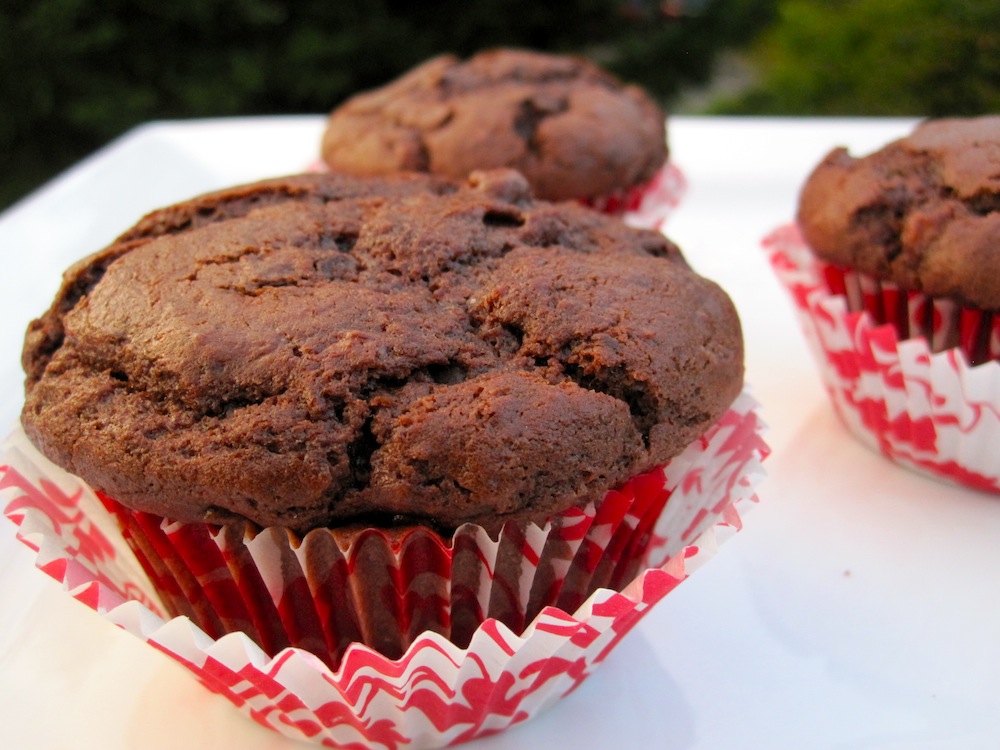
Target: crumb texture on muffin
{"x": 572, "y": 129}
{"x": 323, "y": 349}
{"x": 923, "y": 212}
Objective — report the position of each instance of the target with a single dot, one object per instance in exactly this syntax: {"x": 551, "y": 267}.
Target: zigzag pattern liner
{"x": 916, "y": 400}
{"x": 436, "y": 693}
{"x": 385, "y": 588}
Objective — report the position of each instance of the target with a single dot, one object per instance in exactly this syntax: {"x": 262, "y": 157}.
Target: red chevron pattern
{"x": 896, "y": 365}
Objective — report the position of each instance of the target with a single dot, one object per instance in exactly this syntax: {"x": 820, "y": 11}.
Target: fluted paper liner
{"x": 437, "y": 692}
{"x": 897, "y": 366}
{"x": 649, "y": 204}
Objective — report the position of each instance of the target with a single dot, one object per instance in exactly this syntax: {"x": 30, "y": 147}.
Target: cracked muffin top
{"x": 572, "y": 129}
{"x": 923, "y": 212}
{"x": 325, "y": 350}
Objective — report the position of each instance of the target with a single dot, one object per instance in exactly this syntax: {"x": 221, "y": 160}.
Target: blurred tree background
{"x": 75, "y": 74}
{"x": 876, "y": 57}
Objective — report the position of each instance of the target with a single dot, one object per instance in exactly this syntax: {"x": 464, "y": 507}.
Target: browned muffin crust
{"x": 923, "y": 212}
{"x": 572, "y": 129}
{"x": 324, "y": 350}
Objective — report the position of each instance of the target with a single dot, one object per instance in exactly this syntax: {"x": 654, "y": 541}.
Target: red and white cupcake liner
{"x": 335, "y": 587}
{"x": 897, "y": 365}
{"x": 649, "y": 204}
{"x": 943, "y": 323}
{"x": 437, "y": 692}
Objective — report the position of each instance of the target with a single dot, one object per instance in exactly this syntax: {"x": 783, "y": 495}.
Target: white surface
{"x": 858, "y": 609}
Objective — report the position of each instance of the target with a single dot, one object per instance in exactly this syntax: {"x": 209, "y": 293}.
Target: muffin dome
{"x": 572, "y": 129}
{"x": 323, "y": 350}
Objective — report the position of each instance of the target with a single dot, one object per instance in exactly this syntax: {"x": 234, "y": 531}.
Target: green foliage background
{"x": 877, "y": 57}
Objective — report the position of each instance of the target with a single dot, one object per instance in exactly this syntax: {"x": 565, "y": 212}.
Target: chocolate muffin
{"x": 922, "y": 213}
{"x": 572, "y": 129}
{"x": 892, "y": 265}
{"x": 324, "y": 350}
{"x": 330, "y": 410}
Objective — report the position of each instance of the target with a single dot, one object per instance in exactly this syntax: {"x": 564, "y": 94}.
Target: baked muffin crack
{"x": 323, "y": 348}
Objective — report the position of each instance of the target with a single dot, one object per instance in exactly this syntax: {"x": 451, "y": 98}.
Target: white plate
{"x": 857, "y": 609}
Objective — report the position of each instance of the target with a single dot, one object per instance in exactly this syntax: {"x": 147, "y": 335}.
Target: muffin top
{"x": 923, "y": 212}
{"x": 326, "y": 350}
{"x": 572, "y": 129}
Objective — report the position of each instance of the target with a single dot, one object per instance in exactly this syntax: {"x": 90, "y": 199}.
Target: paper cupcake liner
{"x": 897, "y": 366}
{"x": 944, "y": 323}
{"x": 646, "y": 206}
{"x": 437, "y": 692}
{"x": 332, "y": 588}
